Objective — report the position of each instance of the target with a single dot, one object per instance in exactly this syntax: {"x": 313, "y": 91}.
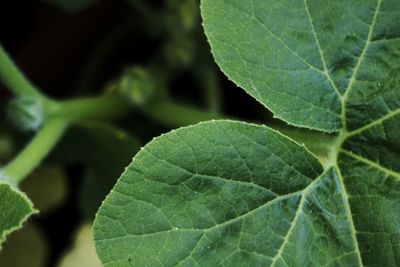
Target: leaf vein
{"x": 375, "y": 122}
{"x": 265, "y": 27}
{"x": 364, "y": 51}
{"x": 326, "y": 72}
{"x": 349, "y": 216}
{"x": 372, "y": 164}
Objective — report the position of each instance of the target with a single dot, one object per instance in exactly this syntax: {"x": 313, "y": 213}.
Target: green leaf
{"x": 15, "y": 209}
{"x": 310, "y": 61}
{"x": 305, "y": 59}
{"x": 192, "y": 191}
{"x": 233, "y": 194}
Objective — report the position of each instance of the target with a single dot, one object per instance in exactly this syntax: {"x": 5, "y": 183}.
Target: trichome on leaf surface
{"x": 321, "y": 189}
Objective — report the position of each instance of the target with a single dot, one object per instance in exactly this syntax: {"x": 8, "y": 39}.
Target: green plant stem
{"x": 176, "y": 115}
{"x": 35, "y": 151}
{"x": 92, "y": 108}
{"x": 61, "y": 115}
{"x": 209, "y": 80}
{"x": 14, "y": 79}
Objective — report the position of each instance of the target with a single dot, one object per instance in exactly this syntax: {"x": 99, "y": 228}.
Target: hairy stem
{"x": 92, "y": 108}
{"x": 60, "y": 116}
{"x": 14, "y": 79}
{"x": 209, "y": 80}
{"x": 33, "y": 154}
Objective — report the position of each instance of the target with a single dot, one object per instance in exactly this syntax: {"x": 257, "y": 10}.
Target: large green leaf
{"x": 15, "y": 209}
{"x": 311, "y": 61}
{"x": 191, "y": 186}
{"x": 233, "y": 194}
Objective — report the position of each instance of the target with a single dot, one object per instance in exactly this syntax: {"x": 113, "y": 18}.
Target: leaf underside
{"x": 226, "y": 193}
{"x": 15, "y": 209}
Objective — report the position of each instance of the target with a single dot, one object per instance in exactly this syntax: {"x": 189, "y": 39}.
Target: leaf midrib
{"x": 358, "y": 64}
{"x": 326, "y": 72}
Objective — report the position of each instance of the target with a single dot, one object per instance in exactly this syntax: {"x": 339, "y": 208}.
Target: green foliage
{"x": 322, "y": 57}
{"x": 226, "y": 193}
{"x": 138, "y": 85}
{"x": 15, "y": 209}
{"x": 320, "y": 187}
{"x": 202, "y": 187}
{"x": 101, "y": 151}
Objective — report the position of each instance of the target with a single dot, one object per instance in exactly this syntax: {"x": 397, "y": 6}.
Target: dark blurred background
{"x": 75, "y": 48}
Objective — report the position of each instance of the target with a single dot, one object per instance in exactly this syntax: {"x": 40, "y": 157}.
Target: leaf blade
{"x": 15, "y": 208}
{"x": 134, "y": 228}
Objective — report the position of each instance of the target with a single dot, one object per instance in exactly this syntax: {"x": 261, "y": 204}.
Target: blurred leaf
{"x": 104, "y": 151}
{"x": 6, "y": 146}
{"x": 83, "y": 253}
{"x": 71, "y": 5}
{"x": 138, "y": 85}
{"x": 15, "y": 209}
{"x": 27, "y": 112}
{"x": 47, "y": 188}
{"x": 103, "y": 172}
{"x": 180, "y": 51}
{"x": 25, "y": 248}
{"x": 184, "y": 13}
{"x": 88, "y": 142}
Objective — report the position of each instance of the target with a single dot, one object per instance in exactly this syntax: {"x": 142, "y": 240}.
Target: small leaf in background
{"x": 182, "y": 22}
{"x": 180, "y": 51}
{"x": 25, "y": 248}
{"x": 83, "y": 252}
{"x": 138, "y": 85}
{"x": 90, "y": 142}
{"x": 27, "y": 112}
{"x": 116, "y": 148}
{"x": 47, "y": 188}
{"x": 6, "y": 146}
{"x": 184, "y": 14}
{"x": 104, "y": 151}
{"x": 15, "y": 209}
